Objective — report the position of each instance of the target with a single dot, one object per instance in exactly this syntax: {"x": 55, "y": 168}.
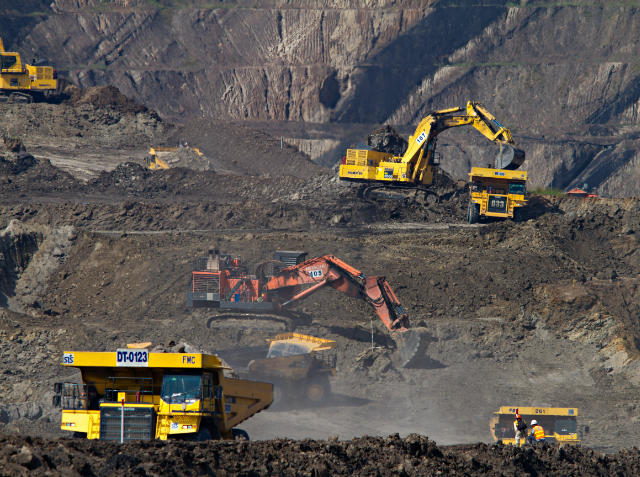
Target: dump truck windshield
{"x": 565, "y": 427}
{"x": 181, "y": 388}
{"x": 516, "y": 188}
{"x": 277, "y": 350}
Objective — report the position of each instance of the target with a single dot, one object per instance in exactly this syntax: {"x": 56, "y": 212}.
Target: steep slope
{"x": 561, "y": 76}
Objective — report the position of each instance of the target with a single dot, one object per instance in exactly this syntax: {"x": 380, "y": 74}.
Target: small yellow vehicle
{"x": 22, "y": 82}
{"x": 133, "y": 394}
{"x": 496, "y": 193}
{"x": 154, "y": 162}
{"x": 559, "y": 423}
{"x": 294, "y": 363}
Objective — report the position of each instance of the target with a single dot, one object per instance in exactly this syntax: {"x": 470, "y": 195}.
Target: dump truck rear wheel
{"x": 240, "y": 434}
{"x": 473, "y": 213}
{"x": 317, "y": 389}
{"x": 278, "y": 394}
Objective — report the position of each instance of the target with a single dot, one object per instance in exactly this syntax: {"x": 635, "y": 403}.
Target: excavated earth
{"x": 409, "y": 456}
{"x": 95, "y": 255}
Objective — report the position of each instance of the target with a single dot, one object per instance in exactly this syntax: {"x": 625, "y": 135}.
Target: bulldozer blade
{"x": 408, "y": 343}
{"x": 509, "y": 157}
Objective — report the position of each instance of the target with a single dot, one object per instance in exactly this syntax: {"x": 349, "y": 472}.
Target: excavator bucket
{"x": 408, "y": 343}
{"x": 509, "y": 157}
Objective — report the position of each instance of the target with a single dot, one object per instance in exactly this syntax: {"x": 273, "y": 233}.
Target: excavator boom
{"x": 416, "y": 166}
{"x": 331, "y": 271}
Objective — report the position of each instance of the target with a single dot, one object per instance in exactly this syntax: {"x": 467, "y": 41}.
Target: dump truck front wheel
{"x": 518, "y": 214}
{"x": 473, "y": 214}
{"x": 317, "y": 389}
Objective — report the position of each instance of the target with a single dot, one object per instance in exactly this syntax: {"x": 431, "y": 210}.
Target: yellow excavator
{"x": 415, "y": 169}
{"x": 21, "y": 82}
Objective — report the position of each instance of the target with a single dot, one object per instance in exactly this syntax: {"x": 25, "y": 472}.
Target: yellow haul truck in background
{"x": 559, "y": 423}
{"x": 496, "y": 193}
{"x": 162, "y": 395}
{"x": 296, "y": 364}
{"x": 21, "y": 82}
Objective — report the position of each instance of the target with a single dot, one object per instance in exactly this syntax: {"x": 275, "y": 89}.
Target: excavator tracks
{"x": 396, "y": 192}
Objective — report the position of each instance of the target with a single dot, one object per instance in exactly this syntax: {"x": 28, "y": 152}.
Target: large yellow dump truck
{"x": 160, "y": 395}
{"x": 296, "y": 364}
{"x": 559, "y": 423}
{"x": 496, "y": 193}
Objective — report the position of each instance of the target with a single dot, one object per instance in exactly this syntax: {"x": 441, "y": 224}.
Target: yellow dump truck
{"x": 296, "y": 364}
{"x": 496, "y": 193}
{"x": 133, "y": 394}
{"x": 559, "y": 423}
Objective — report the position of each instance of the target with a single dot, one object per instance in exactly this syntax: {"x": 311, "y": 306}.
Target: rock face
{"x": 561, "y": 77}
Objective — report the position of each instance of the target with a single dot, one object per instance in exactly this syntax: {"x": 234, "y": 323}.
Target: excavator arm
{"x": 330, "y": 271}
{"x": 421, "y": 144}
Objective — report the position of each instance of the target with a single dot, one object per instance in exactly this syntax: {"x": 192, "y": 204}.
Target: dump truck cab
{"x": 496, "y": 193}
{"x": 559, "y": 423}
{"x": 134, "y": 394}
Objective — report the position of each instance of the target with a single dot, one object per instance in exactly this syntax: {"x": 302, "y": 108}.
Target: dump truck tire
{"x": 317, "y": 389}
{"x": 240, "y": 434}
{"x": 278, "y": 394}
{"x": 518, "y": 214}
{"x": 473, "y": 214}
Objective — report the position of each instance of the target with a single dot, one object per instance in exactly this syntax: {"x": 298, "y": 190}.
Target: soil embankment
{"x": 412, "y": 456}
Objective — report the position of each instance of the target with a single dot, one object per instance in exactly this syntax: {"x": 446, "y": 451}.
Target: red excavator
{"x": 222, "y": 281}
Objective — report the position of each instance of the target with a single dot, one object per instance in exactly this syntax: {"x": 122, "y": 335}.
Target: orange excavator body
{"x": 331, "y": 271}
{"x": 219, "y": 282}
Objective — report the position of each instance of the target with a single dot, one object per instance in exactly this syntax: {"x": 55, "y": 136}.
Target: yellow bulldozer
{"x": 137, "y": 394}
{"x": 22, "y": 82}
{"x": 415, "y": 169}
{"x": 154, "y": 162}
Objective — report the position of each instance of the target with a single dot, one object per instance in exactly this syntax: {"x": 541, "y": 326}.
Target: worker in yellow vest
{"x": 537, "y": 433}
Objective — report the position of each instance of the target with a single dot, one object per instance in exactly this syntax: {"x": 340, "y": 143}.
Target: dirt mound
{"x": 386, "y": 139}
{"x": 413, "y": 455}
{"x": 102, "y": 97}
{"x": 13, "y": 144}
{"x": 234, "y": 148}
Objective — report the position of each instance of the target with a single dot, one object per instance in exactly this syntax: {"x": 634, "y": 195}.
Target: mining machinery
{"x": 417, "y": 166}
{"x": 223, "y": 281}
{"x": 22, "y": 82}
